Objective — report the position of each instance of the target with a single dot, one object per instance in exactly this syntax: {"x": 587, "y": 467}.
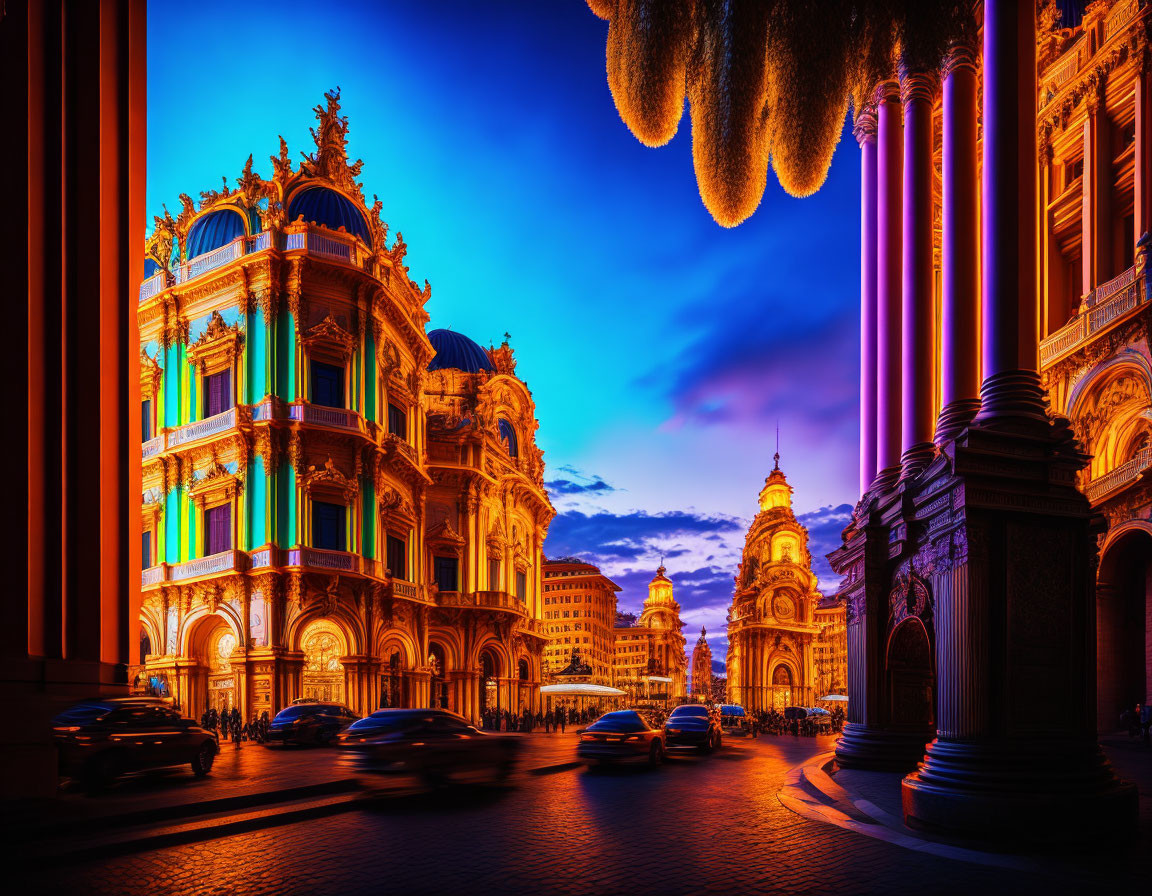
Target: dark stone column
{"x": 1011, "y": 541}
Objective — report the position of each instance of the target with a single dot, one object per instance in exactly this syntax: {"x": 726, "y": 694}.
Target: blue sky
{"x": 661, "y": 349}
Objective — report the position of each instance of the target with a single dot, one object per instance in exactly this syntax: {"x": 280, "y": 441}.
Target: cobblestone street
{"x": 696, "y": 824}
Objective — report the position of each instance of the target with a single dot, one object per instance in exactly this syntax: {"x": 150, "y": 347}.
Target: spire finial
{"x": 776, "y": 457}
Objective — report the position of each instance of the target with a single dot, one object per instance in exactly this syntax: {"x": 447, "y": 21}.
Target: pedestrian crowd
{"x": 1138, "y": 722}
{"x": 774, "y": 722}
{"x": 229, "y": 725}
{"x": 557, "y": 719}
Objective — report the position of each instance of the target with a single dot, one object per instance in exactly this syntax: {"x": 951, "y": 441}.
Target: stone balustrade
{"x": 336, "y": 418}
{"x": 202, "y": 429}
{"x": 152, "y": 447}
{"x": 213, "y": 564}
{"x": 1106, "y": 305}
{"x": 1102, "y": 486}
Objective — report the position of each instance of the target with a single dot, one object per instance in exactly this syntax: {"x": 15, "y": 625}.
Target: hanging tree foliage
{"x": 767, "y": 81}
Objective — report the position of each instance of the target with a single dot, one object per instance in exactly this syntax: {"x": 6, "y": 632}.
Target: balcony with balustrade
{"x": 224, "y": 563}
{"x": 495, "y": 601}
{"x": 1101, "y": 37}
{"x": 1108, "y": 306}
{"x": 298, "y": 239}
{"x": 1105, "y": 486}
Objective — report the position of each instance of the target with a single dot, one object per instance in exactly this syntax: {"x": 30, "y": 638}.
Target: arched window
{"x": 523, "y": 668}
{"x": 508, "y": 435}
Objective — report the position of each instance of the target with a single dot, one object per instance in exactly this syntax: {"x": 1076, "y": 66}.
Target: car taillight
{"x": 69, "y": 728}
{"x": 587, "y": 737}
{"x": 634, "y": 737}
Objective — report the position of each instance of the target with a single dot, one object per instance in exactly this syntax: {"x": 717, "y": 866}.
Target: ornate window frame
{"x": 215, "y": 489}
{"x": 329, "y": 485}
{"x": 217, "y": 350}
{"x": 328, "y": 343}
{"x": 151, "y": 377}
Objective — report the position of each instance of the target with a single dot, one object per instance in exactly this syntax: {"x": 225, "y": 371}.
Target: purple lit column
{"x": 1010, "y": 334}
{"x": 960, "y": 259}
{"x": 917, "y": 356}
{"x": 865, "y": 131}
{"x": 889, "y": 148}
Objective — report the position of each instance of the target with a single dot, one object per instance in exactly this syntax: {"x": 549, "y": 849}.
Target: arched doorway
{"x": 438, "y": 669}
{"x": 145, "y": 645}
{"x": 323, "y": 673}
{"x": 781, "y": 687}
{"x": 1123, "y": 604}
{"x": 489, "y": 687}
{"x": 223, "y": 693}
{"x": 392, "y": 681}
{"x": 911, "y": 677}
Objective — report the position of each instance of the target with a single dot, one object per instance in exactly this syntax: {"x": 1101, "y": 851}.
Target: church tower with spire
{"x": 700, "y": 685}
{"x": 774, "y": 627}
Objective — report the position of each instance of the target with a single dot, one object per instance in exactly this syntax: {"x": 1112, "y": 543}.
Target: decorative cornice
{"x": 864, "y": 125}
{"x": 918, "y": 86}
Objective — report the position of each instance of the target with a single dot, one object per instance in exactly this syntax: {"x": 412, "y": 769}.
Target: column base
{"x": 1023, "y": 792}
{"x": 884, "y": 480}
{"x": 916, "y": 459}
{"x": 875, "y": 749}
{"x": 1010, "y": 399}
{"x": 954, "y": 418}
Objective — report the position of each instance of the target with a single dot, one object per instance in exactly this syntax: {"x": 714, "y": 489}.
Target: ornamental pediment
{"x": 443, "y": 533}
{"x": 218, "y": 346}
{"x": 330, "y": 338}
{"x": 329, "y": 478}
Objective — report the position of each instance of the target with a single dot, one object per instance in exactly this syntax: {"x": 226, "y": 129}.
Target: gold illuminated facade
{"x": 700, "y": 682}
{"x": 579, "y": 612}
{"x": 779, "y": 640}
{"x": 337, "y": 504}
{"x": 1095, "y": 142}
{"x": 648, "y": 659}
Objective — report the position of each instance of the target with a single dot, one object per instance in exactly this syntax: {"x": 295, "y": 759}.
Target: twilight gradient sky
{"x": 661, "y": 348}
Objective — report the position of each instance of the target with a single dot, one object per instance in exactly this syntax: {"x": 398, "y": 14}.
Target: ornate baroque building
{"x": 774, "y": 629}
{"x": 336, "y": 504}
{"x": 1095, "y": 155}
{"x": 579, "y": 611}
{"x": 700, "y": 682}
{"x": 648, "y": 656}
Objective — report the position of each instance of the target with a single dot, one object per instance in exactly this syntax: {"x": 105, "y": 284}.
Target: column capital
{"x": 886, "y": 92}
{"x": 917, "y": 86}
{"x": 864, "y": 124}
{"x": 963, "y": 56}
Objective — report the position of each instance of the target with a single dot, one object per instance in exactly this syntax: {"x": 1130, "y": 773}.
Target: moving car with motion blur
{"x": 98, "y": 740}
{"x": 628, "y": 735}
{"x": 733, "y": 721}
{"x": 693, "y": 726}
{"x": 309, "y": 722}
{"x": 433, "y": 745}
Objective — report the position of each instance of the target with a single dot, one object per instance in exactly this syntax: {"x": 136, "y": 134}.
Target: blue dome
{"x": 215, "y": 229}
{"x": 458, "y": 352}
{"x": 320, "y": 205}
{"x": 151, "y": 268}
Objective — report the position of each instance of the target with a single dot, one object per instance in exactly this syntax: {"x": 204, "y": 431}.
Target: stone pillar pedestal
{"x": 1015, "y": 756}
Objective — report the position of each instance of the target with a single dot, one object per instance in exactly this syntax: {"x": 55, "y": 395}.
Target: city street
{"x": 698, "y": 823}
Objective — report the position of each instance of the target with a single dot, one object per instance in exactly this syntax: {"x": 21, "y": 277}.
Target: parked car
{"x": 435, "y": 746}
{"x": 309, "y": 722}
{"x": 98, "y": 740}
{"x": 628, "y": 735}
{"x": 694, "y": 726}
{"x": 733, "y": 721}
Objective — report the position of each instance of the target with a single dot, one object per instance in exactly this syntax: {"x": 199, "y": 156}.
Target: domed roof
{"x": 215, "y": 229}
{"x": 328, "y": 208}
{"x": 456, "y": 351}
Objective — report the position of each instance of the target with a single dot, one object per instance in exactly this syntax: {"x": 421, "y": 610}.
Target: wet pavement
{"x": 698, "y": 824}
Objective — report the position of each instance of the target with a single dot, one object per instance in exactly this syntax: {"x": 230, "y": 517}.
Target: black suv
{"x": 100, "y": 739}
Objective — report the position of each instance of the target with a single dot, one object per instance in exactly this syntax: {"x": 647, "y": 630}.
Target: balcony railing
{"x": 404, "y": 589}
{"x": 482, "y": 600}
{"x": 341, "y": 561}
{"x": 1107, "y": 304}
{"x": 152, "y": 447}
{"x": 1119, "y": 17}
{"x": 225, "y": 561}
{"x": 315, "y": 241}
{"x": 153, "y": 575}
{"x": 1124, "y": 474}
{"x": 202, "y": 429}
{"x": 338, "y": 418}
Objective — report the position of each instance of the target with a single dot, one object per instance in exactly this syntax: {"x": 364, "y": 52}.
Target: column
{"x": 917, "y": 280}
{"x": 865, "y": 131}
{"x": 1009, "y": 310}
{"x": 889, "y": 148}
{"x": 960, "y": 256}
{"x": 1142, "y": 187}
{"x": 74, "y": 80}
